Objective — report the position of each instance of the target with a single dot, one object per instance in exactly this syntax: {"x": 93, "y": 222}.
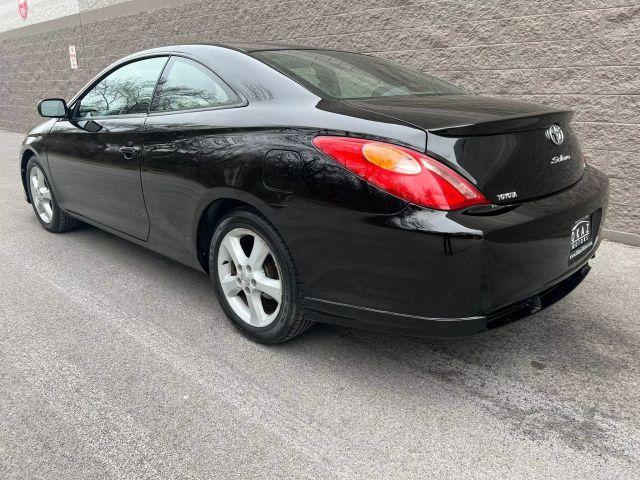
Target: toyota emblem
{"x": 555, "y": 134}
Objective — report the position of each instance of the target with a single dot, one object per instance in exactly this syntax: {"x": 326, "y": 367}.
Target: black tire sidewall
{"x": 52, "y": 226}
{"x": 279, "y": 328}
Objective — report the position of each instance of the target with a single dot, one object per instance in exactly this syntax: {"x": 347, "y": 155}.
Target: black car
{"x": 321, "y": 185}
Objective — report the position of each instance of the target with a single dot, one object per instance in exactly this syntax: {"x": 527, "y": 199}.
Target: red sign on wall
{"x": 23, "y": 9}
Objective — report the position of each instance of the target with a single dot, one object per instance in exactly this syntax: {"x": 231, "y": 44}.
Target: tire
{"x": 244, "y": 228}
{"x": 52, "y": 218}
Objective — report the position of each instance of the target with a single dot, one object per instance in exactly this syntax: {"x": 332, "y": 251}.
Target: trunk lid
{"x": 504, "y": 147}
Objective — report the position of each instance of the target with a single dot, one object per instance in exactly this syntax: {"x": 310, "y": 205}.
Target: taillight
{"x": 410, "y": 175}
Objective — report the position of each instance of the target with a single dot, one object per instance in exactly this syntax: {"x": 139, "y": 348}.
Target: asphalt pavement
{"x": 118, "y": 363}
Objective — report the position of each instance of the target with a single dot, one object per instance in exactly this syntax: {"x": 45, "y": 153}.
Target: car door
{"x": 95, "y": 155}
{"x": 190, "y": 144}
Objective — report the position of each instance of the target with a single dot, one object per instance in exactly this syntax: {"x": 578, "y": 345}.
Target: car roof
{"x": 243, "y": 47}
{"x": 256, "y": 47}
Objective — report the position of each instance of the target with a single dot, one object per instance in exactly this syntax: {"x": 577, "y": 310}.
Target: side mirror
{"x": 52, "y": 108}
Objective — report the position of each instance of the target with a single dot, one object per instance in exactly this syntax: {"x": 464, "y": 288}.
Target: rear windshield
{"x": 345, "y": 75}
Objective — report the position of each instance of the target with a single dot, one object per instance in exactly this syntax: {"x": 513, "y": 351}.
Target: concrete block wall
{"x": 580, "y": 54}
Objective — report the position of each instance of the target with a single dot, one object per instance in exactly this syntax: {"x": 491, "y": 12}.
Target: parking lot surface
{"x": 118, "y": 363}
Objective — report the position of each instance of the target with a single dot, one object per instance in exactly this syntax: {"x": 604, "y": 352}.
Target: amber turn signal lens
{"x": 391, "y": 159}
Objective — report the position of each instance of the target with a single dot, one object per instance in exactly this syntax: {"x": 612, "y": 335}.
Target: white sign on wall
{"x": 72, "y": 56}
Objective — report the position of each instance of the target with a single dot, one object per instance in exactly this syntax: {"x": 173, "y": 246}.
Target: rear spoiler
{"x": 507, "y": 125}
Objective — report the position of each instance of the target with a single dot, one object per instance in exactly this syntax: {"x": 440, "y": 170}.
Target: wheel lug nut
{"x": 254, "y": 283}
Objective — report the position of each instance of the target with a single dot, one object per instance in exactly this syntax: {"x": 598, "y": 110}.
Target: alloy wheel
{"x": 250, "y": 277}
{"x": 41, "y": 195}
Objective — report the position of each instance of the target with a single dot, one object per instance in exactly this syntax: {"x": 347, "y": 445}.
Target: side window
{"x": 186, "y": 84}
{"x": 127, "y": 90}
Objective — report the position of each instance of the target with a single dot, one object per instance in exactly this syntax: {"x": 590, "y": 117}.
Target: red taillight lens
{"x": 405, "y": 173}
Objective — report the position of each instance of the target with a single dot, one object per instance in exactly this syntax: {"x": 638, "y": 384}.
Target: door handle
{"x": 129, "y": 152}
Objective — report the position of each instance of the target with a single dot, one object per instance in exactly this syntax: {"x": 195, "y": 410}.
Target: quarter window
{"x": 186, "y": 85}
{"x": 127, "y": 90}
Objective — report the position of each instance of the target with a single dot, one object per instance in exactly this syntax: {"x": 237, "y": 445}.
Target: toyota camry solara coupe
{"x": 321, "y": 185}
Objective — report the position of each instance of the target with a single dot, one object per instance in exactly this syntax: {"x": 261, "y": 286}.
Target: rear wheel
{"x": 255, "y": 279}
{"x": 43, "y": 201}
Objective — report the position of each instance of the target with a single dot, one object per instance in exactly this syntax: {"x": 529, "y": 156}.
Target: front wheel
{"x": 255, "y": 279}
{"x": 47, "y": 211}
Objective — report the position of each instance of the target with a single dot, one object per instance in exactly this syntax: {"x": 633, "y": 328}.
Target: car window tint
{"x": 187, "y": 85}
{"x": 347, "y": 75}
{"x": 127, "y": 90}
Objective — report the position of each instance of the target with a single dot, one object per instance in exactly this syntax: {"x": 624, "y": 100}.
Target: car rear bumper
{"x": 371, "y": 319}
{"x": 433, "y": 273}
